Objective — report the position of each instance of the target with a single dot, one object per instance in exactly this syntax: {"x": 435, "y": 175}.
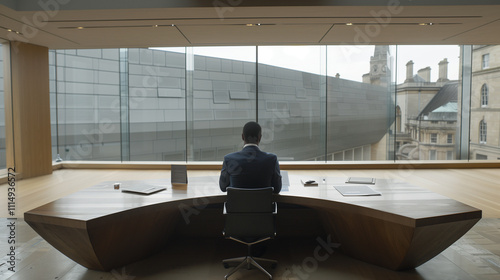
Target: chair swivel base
{"x": 248, "y": 261}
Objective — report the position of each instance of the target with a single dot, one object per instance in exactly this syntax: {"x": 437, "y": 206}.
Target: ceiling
{"x": 70, "y": 24}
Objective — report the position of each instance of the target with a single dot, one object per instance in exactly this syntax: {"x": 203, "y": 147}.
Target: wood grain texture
{"x": 30, "y": 109}
{"x": 397, "y": 230}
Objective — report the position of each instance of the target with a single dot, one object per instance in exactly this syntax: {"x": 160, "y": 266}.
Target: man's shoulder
{"x": 255, "y": 151}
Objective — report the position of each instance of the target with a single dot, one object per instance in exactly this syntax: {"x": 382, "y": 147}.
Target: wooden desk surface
{"x": 400, "y": 202}
{"x": 98, "y": 214}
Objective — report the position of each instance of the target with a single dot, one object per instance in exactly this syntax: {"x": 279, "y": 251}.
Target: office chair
{"x": 249, "y": 220}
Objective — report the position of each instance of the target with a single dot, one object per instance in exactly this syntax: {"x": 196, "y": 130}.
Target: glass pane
{"x": 224, "y": 99}
{"x": 485, "y": 103}
{"x": 3, "y": 164}
{"x": 291, "y": 85}
{"x": 427, "y": 102}
{"x": 85, "y": 104}
{"x": 157, "y": 104}
{"x": 360, "y": 103}
{"x": 53, "y": 107}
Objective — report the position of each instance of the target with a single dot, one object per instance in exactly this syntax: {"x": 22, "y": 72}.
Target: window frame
{"x": 432, "y": 154}
{"x": 485, "y": 61}
{"x": 449, "y": 138}
{"x": 433, "y": 138}
{"x": 483, "y": 132}
{"x": 484, "y": 95}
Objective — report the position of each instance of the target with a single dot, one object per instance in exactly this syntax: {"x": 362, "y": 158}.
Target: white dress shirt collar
{"x": 249, "y": 145}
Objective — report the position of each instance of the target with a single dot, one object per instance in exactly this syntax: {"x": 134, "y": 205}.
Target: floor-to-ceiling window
{"x": 157, "y": 104}
{"x": 427, "y": 93}
{"x": 291, "y": 101}
{"x": 315, "y": 103}
{"x": 224, "y": 99}
{"x": 85, "y": 101}
{"x": 360, "y": 102}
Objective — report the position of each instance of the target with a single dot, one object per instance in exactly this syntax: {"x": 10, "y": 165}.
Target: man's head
{"x": 252, "y": 132}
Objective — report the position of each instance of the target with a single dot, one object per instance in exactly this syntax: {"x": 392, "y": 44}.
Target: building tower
{"x": 379, "y": 66}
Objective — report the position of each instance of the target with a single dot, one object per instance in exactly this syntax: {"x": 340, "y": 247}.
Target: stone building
{"x": 485, "y": 103}
{"x": 426, "y": 115}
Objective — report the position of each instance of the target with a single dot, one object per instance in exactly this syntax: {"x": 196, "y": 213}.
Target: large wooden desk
{"x": 102, "y": 228}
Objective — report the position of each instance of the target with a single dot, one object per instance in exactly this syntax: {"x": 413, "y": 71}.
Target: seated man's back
{"x": 251, "y": 167}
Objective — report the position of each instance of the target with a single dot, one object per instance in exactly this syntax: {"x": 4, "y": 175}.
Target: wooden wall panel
{"x": 30, "y": 110}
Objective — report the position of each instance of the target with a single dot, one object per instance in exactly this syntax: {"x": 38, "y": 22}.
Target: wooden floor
{"x": 474, "y": 256}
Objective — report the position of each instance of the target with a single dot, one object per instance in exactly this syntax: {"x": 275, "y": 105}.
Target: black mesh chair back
{"x": 250, "y": 217}
{"x": 249, "y": 213}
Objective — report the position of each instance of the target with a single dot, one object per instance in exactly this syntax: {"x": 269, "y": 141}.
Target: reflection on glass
{"x": 427, "y": 102}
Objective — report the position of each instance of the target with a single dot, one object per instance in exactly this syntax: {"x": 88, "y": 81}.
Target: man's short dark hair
{"x": 252, "y": 132}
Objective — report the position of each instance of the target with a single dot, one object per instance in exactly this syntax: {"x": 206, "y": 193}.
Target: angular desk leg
{"x": 388, "y": 244}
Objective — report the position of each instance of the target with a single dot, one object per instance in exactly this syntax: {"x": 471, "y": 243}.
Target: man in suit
{"x": 250, "y": 167}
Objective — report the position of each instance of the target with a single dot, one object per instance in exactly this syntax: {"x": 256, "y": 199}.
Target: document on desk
{"x": 142, "y": 188}
{"x": 356, "y": 190}
{"x": 285, "y": 181}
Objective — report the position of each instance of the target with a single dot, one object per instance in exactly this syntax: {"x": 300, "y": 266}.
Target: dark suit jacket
{"x": 250, "y": 168}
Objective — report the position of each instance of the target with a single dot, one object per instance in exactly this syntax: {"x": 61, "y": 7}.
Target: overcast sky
{"x": 351, "y": 62}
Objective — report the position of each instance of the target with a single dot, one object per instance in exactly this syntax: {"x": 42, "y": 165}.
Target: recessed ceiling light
{"x": 349, "y": 23}
{"x": 80, "y": 27}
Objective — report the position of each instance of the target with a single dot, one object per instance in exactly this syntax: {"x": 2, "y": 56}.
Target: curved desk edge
{"x": 382, "y": 238}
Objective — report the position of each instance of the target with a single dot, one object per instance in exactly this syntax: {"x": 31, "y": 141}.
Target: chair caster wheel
{"x": 226, "y": 265}
{"x": 273, "y": 265}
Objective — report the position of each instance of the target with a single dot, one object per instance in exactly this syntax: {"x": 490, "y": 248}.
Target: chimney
{"x": 443, "y": 71}
{"x": 409, "y": 72}
{"x": 337, "y": 76}
{"x": 425, "y": 73}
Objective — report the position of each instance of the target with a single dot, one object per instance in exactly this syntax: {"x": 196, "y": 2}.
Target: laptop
{"x": 143, "y": 189}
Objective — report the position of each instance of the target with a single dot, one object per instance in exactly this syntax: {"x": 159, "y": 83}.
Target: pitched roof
{"x": 448, "y": 93}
